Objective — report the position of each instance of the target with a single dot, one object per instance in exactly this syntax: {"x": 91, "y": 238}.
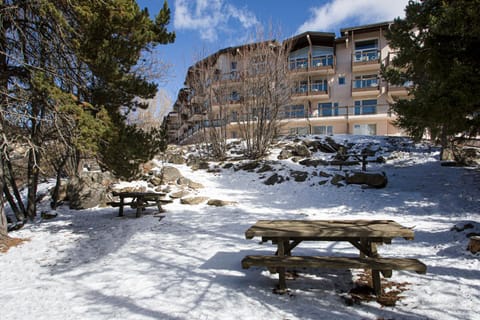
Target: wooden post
{"x": 376, "y": 282}
{"x": 120, "y": 209}
{"x": 282, "y": 286}
{"x": 474, "y": 244}
{"x": 139, "y": 205}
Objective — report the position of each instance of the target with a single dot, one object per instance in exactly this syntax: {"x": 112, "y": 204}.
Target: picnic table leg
{"x": 159, "y": 206}
{"x": 376, "y": 282}
{"x": 282, "y": 286}
{"x": 120, "y": 208}
{"x": 139, "y": 206}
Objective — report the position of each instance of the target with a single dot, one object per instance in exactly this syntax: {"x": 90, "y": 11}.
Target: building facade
{"x": 336, "y": 87}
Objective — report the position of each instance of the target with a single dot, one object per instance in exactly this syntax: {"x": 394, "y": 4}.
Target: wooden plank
{"x": 347, "y": 229}
{"x": 335, "y": 263}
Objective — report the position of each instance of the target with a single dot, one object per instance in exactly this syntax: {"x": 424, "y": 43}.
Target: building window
{"x": 322, "y": 56}
{"x": 327, "y": 109}
{"x": 295, "y": 111}
{"x": 299, "y": 130}
{"x": 366, "y": 50}
{"x": 365, "y": 81}
{"x": 233, "y": 66}
{"x": 234, "y": 96}
{"x": 233, "y": 134}
{"x": 365, "y": 129}
{"x": 323, "y": 130}
{"x": 366, "y": 107}
{"x": 341, "y": 80}
{"x": 319, "y": 85}
{"x": 298, "y": 59}
{"x": 300, "y": 87}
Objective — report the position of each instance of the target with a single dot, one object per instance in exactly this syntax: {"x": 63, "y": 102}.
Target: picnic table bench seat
{"x": 335, "y": 263}
{"x": 377, "y": 265}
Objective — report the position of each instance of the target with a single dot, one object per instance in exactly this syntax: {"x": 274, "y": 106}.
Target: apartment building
{"x": 336, "y": 87}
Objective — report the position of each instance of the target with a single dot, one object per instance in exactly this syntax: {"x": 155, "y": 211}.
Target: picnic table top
{"x": 135, "y": 194}
{"x": 329, "y": 229}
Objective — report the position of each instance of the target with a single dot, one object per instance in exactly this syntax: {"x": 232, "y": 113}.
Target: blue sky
{"x": 205, "y": 26}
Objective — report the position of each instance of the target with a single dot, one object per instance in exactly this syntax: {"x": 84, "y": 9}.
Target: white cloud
{"x": 347, "y": 13}
{"x": 209, "y": 17}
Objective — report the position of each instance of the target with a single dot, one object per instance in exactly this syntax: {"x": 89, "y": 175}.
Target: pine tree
{"x": 438, "y": 45}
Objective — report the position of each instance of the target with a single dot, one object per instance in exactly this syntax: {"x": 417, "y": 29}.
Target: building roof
{"x": 316, "y": 38}
{"x": 366, "y": 27}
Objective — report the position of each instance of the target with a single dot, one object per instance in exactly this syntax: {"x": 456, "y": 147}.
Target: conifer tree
{"x": 70, "y": 66}
{"x": 438, "y": 45}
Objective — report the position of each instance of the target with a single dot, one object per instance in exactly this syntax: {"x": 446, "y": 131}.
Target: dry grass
{"x": 391, "y": 291}
{"x": 8, "y": 242}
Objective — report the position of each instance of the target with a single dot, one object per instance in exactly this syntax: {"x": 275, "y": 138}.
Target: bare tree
{"x": 265, "y": 90}
{"x": 209, "y": 98}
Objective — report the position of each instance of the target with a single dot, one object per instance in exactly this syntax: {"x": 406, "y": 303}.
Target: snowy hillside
{"x": 185, "y": 263}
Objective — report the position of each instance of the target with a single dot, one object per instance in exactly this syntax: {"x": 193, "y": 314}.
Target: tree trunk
{"x": 3, "y": 218}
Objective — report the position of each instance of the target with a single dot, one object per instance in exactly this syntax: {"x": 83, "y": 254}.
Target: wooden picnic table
{"x": 364, "y": 235}
{"x": 139, "y": 200}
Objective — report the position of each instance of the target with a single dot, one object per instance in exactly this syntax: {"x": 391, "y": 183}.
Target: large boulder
{"x": 193, "y": 200}
{"x": 170, "y": 175}
{"x": 299, "y": 176}
{"x": 371, "y": 179}
{"x": 273, "y": 179}
{"x": 89, "y": 190}
{"x": 301, "y": 150}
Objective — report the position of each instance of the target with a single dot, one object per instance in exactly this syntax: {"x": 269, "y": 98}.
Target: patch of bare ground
{"x": 363, "y": 292}
{"x": 8, "y": 242}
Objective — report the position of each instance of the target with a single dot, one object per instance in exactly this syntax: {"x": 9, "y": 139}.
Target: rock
{"x": 179, "y": 194}
{"x": 170, "y": 174}
{"x": 285, "y": 154}
{"x": 220, "y": 203}
{"x": 299, "y": 176}
{"x": 336, "y": 180}
{"x": 48, "y": 215}
{"x": 189, "y": 183}
{"x": 273, "y": 179}
{"x": 176, "y": 158}
{"x": 313, "y": 162}
{"x": 155, "y": 181}
{"x": 201, "y": 165}
{"x": 324, "y": 174}
{"x": 89, "y": 190}
{"x": 227, "y": 165}
{"x": 265, "y": 168}
{"x": 248, "y": 166}
{"x": 193, "y": 200}
{"x": 468, "y": 156}
{"x": 301, "y": 150}
{"x": 62, "y": 192}
{"x": 375, "y": 180}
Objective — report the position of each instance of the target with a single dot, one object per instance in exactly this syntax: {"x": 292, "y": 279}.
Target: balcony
{"x": 317, "y": 65}
{"x": 321, "y": 65}
{"x": 319, "y": 90}
{"x": 366, "y": 60}
{"x": 365, "y": 87}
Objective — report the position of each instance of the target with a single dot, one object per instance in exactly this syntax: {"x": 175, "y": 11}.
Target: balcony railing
{"x": 315, "y": 87}
{"x": 317, "y": 62}
{"x": 322, "y": 61}
{"x": 369, "y": 55}
{"x": 365, "y": 83}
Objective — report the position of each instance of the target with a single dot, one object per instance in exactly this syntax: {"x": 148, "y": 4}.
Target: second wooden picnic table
{"x": 139, "y": 200}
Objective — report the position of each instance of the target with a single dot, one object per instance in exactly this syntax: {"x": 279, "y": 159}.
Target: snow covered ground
{"x": 91, "y": 264}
